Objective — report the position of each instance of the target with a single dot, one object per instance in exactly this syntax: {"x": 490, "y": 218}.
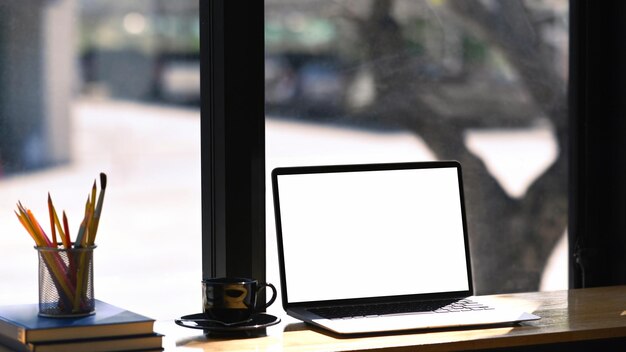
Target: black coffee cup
{"x": 232, "y": 300}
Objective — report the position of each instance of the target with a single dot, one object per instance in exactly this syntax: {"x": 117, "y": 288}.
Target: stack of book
{"x": 110, "y": 329}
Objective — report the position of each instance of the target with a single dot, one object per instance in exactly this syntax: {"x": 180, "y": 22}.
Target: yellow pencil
{"x": 55, "y": 218}
{"x": 29, "y": 230}
{"x": 38, "y": 228}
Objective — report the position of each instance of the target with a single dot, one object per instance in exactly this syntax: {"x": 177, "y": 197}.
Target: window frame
{"x": 233, "y": 138}
{"x": 597, "y": 209}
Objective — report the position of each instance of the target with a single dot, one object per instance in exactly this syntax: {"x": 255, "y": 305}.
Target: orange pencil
{"x": 28, "y": 229}
{"x": 31, "y": 225}
{"x": 38, "y": 228}
{"x": 67, "y": 231}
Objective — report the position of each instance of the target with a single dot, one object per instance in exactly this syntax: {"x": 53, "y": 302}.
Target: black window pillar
{"x": 233, "y": 142}
{"x": 597, "y": 229}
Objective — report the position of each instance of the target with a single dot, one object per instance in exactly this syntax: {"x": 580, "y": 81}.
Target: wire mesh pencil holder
{"x": 66, "y": 281}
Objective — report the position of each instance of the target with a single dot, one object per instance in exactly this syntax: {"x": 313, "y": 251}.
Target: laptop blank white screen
{"x": 372, "y": 234}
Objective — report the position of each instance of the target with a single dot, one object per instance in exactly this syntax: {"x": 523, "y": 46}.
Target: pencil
{"x": 37, "y": 228}
{"x": 52, "y": 225}
{"x": 29, "y": 230}
{"x": 67, "y": 231}
{"x": 98, "y": 210}
{"x": 80, "y": 237}
{"x": 53, "y": 261}
{"x": 57, "y": 223}
{"x": 33, "y": 225}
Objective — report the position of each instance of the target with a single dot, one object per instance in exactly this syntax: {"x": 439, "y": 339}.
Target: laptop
{"x": 378, "y": 247}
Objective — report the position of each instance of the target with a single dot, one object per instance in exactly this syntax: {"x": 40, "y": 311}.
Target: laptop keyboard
{"x": 444, "y": 306}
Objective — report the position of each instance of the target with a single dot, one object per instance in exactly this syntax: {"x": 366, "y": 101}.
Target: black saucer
{"x": 258, "y": 321}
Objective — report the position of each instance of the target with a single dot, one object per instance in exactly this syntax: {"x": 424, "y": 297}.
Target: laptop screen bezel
{"x": 301, "y": 170}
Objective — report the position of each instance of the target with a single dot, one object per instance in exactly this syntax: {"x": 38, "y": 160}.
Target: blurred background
{"x": 89, "y": 86}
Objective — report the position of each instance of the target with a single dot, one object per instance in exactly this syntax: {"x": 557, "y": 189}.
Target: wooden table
{"x": 569, "y": 319}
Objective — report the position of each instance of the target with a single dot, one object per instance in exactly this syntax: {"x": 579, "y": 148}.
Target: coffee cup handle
{"x": 274, "y": 293}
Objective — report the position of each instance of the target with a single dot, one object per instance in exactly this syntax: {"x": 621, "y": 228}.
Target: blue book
{"x": 138, "y": 343}
{"x": 21, "y": 323}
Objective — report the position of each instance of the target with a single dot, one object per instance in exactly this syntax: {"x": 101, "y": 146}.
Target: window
{"x": 113, "y": 86}
{"x": 482, "y": 82}
{"x": 93, "y": 85}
